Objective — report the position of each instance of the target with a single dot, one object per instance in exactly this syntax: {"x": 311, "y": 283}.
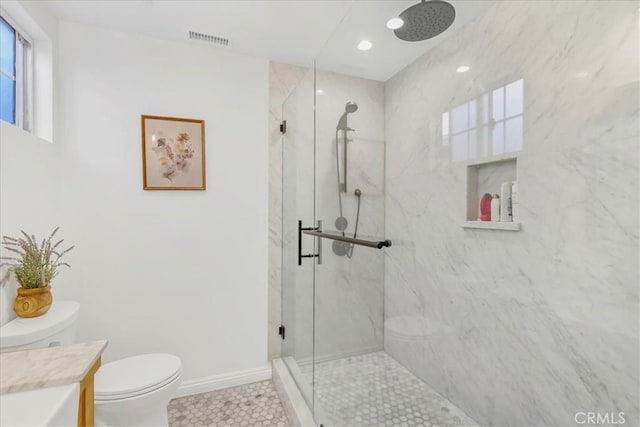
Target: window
{"x": 507, "y": 118}
{"x": 463, "y": 131}
{"x": 14, "y": 75}
{"x": 490, "y": 125}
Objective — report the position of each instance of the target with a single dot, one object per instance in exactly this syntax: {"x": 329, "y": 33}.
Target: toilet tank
{"x": 56, "y": 327}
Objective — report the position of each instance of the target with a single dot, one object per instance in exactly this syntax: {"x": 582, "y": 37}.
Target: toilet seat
{"x": 124, "y": 396}
{"x": 135, "y": 376}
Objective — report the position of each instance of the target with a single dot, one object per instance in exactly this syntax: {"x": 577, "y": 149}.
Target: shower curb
{"x": 294, "y": 405}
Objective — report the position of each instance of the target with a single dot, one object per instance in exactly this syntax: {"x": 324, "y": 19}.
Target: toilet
{"x": 133, "y": 391}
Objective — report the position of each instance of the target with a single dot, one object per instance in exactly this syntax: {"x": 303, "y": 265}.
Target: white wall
{"x": 28, "y": 189}
{"x": 178, "y": 272}
{"x": 29, "y": 164}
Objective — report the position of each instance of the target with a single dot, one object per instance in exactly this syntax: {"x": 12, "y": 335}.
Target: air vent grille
{"x": 208, "y": 38}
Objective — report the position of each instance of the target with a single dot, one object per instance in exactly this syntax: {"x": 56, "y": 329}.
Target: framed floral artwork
{"x": 173, "y": 153}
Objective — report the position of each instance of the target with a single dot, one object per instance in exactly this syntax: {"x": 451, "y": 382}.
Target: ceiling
{"x": 291, "y": 31}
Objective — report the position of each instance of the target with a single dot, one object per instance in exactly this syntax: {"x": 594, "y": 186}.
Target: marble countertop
{"x": 47, "y": 367}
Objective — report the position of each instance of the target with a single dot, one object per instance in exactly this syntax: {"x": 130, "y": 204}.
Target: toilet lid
{"x": 135, "y": 375}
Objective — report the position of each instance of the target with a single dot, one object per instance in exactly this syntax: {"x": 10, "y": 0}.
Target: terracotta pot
{"x": 33, "y": 302}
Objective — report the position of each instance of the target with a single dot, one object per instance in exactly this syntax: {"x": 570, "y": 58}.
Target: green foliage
{"x": 35, "y": 266}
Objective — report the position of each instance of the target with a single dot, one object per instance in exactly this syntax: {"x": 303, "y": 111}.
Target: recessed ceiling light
{"x": 365, "y": 45}
{"x": 463, "y": 69}
{"x": 320, "y": 92}
{"x": 582, "y": 74}
{"x": 395, "y": 23}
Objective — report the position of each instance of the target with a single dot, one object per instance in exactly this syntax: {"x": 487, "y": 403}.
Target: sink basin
{"x": 52, "y": 406}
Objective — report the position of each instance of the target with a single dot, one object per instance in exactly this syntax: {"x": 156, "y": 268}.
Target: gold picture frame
{"x": 173, "y": 153}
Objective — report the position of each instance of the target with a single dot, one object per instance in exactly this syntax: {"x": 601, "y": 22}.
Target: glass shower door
{"x": 297, "y": 207}
{"x": 349, "y": 200}
{"x": 332, "y": 305}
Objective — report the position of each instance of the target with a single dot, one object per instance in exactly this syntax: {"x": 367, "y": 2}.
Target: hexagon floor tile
{"x": 374, "y": 390}
{"x": 369, "y": 390}
{"x": 255, "y": 404}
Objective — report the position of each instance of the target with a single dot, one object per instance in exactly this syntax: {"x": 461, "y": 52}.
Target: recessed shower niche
{"x": 488, "y": 177}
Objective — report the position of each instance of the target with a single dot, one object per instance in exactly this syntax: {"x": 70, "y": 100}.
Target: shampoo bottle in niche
{"x": 495, "y": 208}
{"x": 485, "y": 207}
{"x": 515, "y": 203}
{"x": 505, "y": 202}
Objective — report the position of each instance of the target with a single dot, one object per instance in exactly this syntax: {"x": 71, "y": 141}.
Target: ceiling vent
{"x": 208, "y": 38}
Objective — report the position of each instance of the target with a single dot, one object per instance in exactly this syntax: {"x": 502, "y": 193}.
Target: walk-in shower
{"x": 452, "y": 325}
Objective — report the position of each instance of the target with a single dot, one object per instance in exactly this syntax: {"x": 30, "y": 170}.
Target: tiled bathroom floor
{"x": 254, "y": 404}
{"x": 369, "y": 390}
{"x": 374, "y": 390}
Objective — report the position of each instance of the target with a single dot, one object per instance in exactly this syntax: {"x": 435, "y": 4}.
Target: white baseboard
{"x": 217, "y": 382}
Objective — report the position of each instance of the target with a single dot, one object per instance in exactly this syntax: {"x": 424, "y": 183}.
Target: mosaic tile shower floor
{"x": 372, "y": 390}
{"x": 253, "y": 405}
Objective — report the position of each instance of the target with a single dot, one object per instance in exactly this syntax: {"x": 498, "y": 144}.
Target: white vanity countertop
{"x": 47, "y": 367}
{"x": 56, "y": 406}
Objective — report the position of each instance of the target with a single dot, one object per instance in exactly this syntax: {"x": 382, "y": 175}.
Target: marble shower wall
{"x": 283, "y": 79}
{"x": 297, "y": 205}
{"x": 349, "y": 291}
{"x": 522, "y": 328}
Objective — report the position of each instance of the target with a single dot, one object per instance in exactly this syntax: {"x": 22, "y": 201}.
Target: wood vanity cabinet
{"x": 85, "y": 406}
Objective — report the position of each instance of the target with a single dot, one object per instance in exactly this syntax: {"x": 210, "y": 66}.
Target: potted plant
{"x": 34, "y": 266}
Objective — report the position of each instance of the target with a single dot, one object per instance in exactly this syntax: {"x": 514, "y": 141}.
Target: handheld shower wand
{"x": 358, "y": 194}
{"x": 350, "y": 107}
{"x": 341, "y": 223}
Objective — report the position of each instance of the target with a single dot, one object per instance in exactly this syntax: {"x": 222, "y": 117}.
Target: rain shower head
{"x": 425, "y": 20}
{"x": 350, "y": 107}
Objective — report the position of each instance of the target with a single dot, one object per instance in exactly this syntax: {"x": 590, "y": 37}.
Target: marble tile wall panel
{"x": 349, "y": 291}
{"x": 528, "y": 327}
{"x": 297, "y": 204}
{"x": 283, "y": 78}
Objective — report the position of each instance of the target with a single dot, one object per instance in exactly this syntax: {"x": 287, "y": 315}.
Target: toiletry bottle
{"x": 515, "y": 203}
{"x": 505, "y": 202}
{"x": 495, "y": 208}
{"x": 485, "y": 207}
